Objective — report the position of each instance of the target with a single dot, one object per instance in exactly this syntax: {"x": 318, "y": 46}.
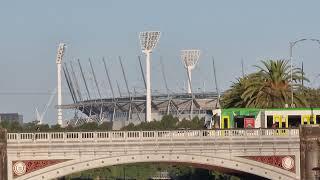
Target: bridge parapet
{"x": 230, "y": 134}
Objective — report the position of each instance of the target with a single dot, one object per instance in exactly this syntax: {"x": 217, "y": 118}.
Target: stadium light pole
{"x": 292, "y": 44}
{"x": 60, "y": 54}
{"x": 148, "y": 41}
{"x": 190, "y": 59}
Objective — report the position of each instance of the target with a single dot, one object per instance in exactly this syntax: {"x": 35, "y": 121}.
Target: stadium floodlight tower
{"x": 190, "y": 59}
{"x": 148, "y": 41}
{"x": 60, "y": 54}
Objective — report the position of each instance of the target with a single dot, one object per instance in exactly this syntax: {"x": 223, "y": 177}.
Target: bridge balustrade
{"x": 56, "y": 136}
{"x": 148, "y": 134}
{"x": 102, "y": 135}
{"x": 163, "y": 134}
{"x": 117, "y": 135}
{"x": 72, "y": 135}
{"x": 87, "y": 135}
{"x": 151, "y": 135}
{"x": 41, "y": 136}
{"x": 133, "y": 134}
{"x": 26, "y": 137}
{"x": 12, "y": 136}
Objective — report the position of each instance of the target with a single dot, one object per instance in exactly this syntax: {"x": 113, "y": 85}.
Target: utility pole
{"x": 242, "y": 68}
{"x": 302, "y": 75}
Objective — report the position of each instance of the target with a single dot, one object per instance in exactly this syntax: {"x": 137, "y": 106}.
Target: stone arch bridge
{"x": 268, "y": 153}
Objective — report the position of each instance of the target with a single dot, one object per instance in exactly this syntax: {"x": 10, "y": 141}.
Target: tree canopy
{"x": 168, "y": 122}
{"x": 269, "y": 87}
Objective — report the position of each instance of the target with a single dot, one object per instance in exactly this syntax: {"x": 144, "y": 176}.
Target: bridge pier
{"x": 310, "y": 151}
{"x": 3, "y": 154}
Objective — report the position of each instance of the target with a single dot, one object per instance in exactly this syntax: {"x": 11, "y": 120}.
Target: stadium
{"x": 132, "y": 108}
{"x": 124, "y": 110}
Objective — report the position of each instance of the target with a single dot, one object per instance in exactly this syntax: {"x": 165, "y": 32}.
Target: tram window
{"x": 293, "y": 121}
{"x": 277, "y": 124}
{"x": 269, "y": 121}
{"x": 317, "y": 119}
{"x": 283, "y": 124}
{"x": 311, "y": 120}
{"x": 239, "y": 122}
{"x": 225, "y": 122}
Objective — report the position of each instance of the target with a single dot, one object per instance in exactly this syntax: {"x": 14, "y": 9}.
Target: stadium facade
{"x": 124, "y": 110}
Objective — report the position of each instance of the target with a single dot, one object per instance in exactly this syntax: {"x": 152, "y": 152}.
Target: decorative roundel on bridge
{"x": 19, "y": 168}
{"x": 287, "y": 162}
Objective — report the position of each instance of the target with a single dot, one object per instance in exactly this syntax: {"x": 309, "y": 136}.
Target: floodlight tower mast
{"x": 190, "y": 59}
{"x": 60, "y": 54}
{"x": 148, "y": 41}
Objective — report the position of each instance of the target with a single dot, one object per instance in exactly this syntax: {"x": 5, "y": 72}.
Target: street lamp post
{"x": 292, "y": 44}
{"x": 315, "y": 40}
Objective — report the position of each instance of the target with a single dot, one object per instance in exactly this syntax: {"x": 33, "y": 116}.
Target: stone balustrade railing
{"x": 152, "y": 135}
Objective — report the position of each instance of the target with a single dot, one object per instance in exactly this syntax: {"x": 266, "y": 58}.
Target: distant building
{"x": 163, "y": 175}
{"x": 11, "y": 117}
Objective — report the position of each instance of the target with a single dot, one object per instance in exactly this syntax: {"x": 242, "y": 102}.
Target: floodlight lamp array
{"x": 60, "y": 53}
{"x": 148, "y": 40}
{"x": 190, "y": 57}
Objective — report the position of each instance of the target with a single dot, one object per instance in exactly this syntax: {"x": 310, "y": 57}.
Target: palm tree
{"x": 271, "y": 87}
{"x": 233, "y": 96}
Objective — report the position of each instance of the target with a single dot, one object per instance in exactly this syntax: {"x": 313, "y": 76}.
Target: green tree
{"x": 233, "y": 96}
{"x": 195, "y": 123}
{"x": 312, "y": 96}
{"x": 270, "y": 87}
{"x": 105, "y": 126}
{"x": 11, "y": 126}
{"x": 56, "y": 128}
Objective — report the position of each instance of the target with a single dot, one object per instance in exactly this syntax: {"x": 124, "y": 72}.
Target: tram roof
{"x": 270, "y": 109}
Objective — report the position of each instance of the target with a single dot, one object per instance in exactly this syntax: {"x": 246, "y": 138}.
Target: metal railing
{"x": 152, "y": 135}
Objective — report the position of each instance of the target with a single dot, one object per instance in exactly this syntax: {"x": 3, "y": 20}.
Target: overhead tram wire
{"x": 25, "y": 93}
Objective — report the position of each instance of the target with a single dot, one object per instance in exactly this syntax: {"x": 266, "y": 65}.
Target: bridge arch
{"x": 229, "y": 162}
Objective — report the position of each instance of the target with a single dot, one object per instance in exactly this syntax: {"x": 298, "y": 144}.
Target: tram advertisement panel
{"x": 248, "y": 122}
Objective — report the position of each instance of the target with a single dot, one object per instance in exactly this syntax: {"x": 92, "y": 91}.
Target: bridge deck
{"x": 218, "y": 135}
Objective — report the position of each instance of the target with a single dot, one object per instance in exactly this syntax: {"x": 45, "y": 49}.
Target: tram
{"x": 261, "y": 118}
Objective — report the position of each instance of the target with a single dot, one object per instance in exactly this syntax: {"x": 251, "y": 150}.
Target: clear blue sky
{"x": 228, "y": 30}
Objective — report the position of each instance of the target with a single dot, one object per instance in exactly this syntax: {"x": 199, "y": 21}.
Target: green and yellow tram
{"x": 263, "y": 118}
